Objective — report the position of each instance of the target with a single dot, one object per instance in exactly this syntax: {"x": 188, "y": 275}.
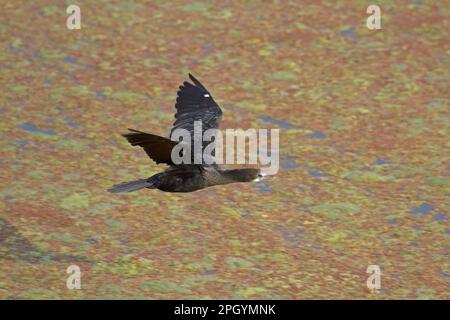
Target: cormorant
{"x": 194, "y": 103}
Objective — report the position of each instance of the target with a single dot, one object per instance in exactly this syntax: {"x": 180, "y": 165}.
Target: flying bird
{"x": 194, "y": 103}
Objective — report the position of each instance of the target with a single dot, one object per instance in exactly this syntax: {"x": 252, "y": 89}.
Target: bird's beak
{"x": 261, "y": 177}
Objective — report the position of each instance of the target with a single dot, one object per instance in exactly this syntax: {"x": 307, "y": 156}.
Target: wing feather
{"x": 159, "y": 149}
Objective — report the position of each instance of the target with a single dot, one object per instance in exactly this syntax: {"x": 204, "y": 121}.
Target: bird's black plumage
{"x": 194, "y": 103}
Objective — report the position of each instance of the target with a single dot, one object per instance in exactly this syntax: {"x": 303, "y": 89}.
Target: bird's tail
{"x": 134, "y": 185}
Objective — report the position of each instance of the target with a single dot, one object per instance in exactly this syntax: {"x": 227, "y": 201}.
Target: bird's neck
{"x": 220, "y": 177}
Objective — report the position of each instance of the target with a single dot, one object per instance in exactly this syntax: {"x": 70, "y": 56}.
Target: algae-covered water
{"x": 364, "y": 150}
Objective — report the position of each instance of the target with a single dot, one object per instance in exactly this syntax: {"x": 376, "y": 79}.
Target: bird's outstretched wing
{"x": 195, "y": 103}
{"x": 158, "y": 148}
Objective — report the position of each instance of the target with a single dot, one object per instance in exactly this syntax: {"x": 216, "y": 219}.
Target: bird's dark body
{"x": 182, "y": 178}
{"x": 194, "y": 103}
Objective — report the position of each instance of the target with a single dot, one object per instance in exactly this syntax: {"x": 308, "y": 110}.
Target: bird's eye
{"x": 206, "y": 95}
